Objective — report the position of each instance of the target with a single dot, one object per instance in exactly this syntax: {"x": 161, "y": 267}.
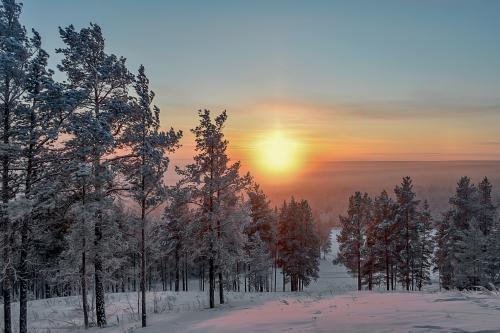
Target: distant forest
{"x": 328, "y": 185}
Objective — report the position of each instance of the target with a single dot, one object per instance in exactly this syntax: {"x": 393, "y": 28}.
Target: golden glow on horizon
{"x": 278, "y": 153}
{"x": 279, "y": 141}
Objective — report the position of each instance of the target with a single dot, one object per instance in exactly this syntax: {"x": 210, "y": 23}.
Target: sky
{"x": 342, "y": 80}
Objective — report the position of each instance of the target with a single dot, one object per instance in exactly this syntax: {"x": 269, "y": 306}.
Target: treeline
{"x": 468, "y": 238}
{"x": 84, "y": 204}
{"x": 395, "y": 240}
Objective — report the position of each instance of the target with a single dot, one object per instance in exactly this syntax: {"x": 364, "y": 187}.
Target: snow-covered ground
{"x": 329, "y": 304}
{"x": 352, "y": 312}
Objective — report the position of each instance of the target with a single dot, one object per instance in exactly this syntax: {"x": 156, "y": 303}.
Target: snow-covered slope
{"x": 329, "y": 304}
{"x": 354, "y": 312}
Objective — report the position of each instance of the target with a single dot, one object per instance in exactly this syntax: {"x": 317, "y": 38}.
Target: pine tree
{"x": 261, "y": 213}
{"x": 79, "y": 237}
{"x": 352, "y": 235}
{"x": 487, "y": 210}
{"x": 97, "y": 124}
{"x": 261, "y": 236}
{"x": 406, "y": 217}
{"x": 177, "y": 231}
{"x": 466, "y": 237}
{"x": 370, "y": 257}
{"x": 383, "y": 230}
{"x": 298, "y": 244}
{"x": 464, "y": 203}
{"x": 464, "y": 209}
{"x": 47, "y": 107}
{"x": 491, "y": 257}
{"x": 470, "y": 269}
{"x": 14, "y": 61}
{"x": 324, "y": 233}
{"x": 145, "y": 167}
{"x": 424, "y": 247}
{"x": 444, "y": 247}
{"x": 215, "y": 185}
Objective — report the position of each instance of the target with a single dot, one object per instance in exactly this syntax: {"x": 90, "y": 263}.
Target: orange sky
{"x": 347, "y": 133}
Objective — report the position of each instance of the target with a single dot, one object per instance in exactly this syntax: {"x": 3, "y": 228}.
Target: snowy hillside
{"x": 329, "y": 304}
{"x": 354, "y": 312}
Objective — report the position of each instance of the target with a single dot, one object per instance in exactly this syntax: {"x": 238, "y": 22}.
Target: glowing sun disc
{"x": 278, "y": 153}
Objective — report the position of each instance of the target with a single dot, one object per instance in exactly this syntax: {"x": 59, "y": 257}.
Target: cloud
{"x": 490, "y": 143}
{"x": 378, "y": 110}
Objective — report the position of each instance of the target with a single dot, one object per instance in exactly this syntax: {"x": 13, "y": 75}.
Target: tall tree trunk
{"x": 7, "y": 278}
{"x": 238, "y": 276}
{"x": 23, "y": 281}
{"x": 98, "y": 276}
{"x": 177, "y": 273}
{"x": 84, "y": 287}
{"x": 221, "y": 288}
{"x": 98, "y": 261}
{"x": 407, "y": 272}
{"x": 143, "y": 262}
{"x": 359, "y": 269}
{"x": 162, "y": 273}
{"x": 275, "y": 271}
{"x": 211, "y": 282}
{"x": 386, "y": 262}
{"x": 83, "y": 277}
{"x": 23, "y": 267}
{"x": 183, "y": 278}
{"x": 186, "y": 271}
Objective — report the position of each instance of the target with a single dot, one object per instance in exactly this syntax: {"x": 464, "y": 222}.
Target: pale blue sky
{"x": 378, "y": 59}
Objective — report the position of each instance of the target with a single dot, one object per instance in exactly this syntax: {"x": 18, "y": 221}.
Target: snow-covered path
{"x": 353, "y": 312}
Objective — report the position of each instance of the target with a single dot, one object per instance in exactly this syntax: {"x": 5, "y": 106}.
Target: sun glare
{"x": 278, "y": 153}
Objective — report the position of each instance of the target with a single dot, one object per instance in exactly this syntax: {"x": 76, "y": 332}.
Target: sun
{"x": 278, "y": 153}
